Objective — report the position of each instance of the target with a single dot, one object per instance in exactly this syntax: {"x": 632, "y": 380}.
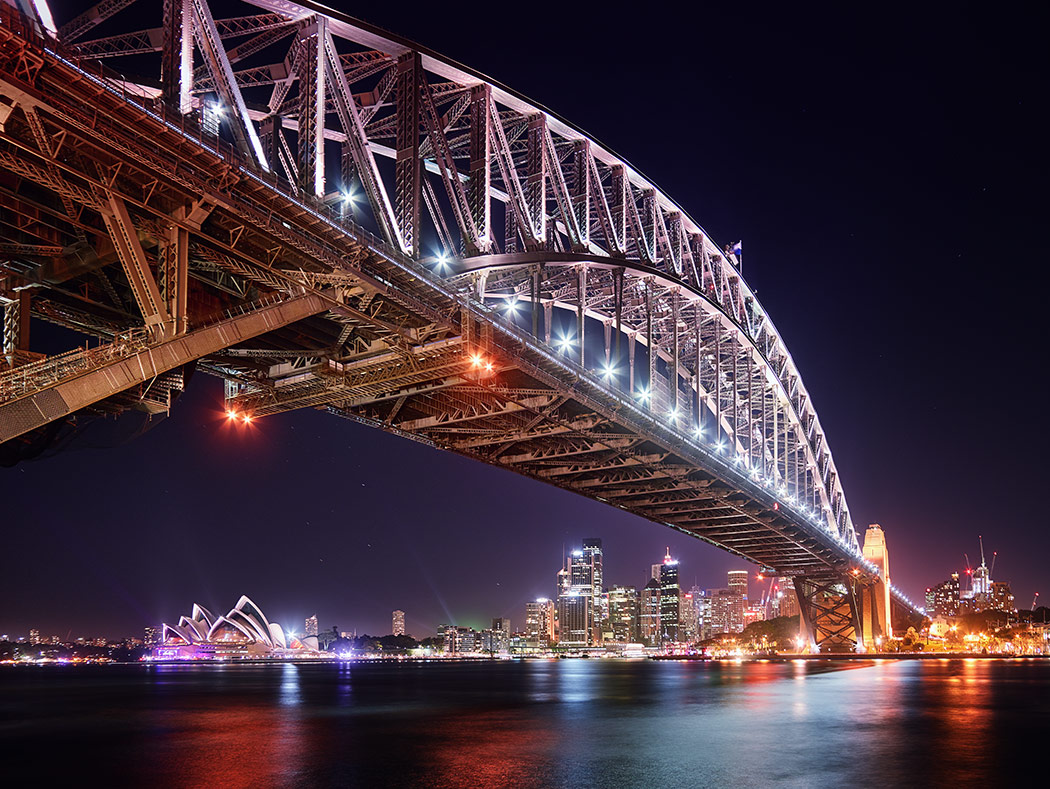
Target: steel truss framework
{"x": 470, "y": 270}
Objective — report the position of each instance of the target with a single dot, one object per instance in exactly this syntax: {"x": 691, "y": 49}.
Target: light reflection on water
{"x": 537, "y": 723}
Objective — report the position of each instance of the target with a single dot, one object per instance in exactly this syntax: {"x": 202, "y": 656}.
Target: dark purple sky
{"x": 886, "y": 174}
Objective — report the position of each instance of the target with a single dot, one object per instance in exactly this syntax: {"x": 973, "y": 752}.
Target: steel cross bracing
{"x": 530, "y": 300}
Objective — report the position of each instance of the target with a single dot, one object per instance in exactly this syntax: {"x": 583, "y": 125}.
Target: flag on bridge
{"x": 737, "y": 251}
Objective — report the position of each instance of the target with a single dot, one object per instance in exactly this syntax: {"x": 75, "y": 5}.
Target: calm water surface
{"x": 572, "y": 723}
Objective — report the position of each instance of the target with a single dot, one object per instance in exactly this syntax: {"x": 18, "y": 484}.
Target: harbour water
{"x": 562, "y": 723}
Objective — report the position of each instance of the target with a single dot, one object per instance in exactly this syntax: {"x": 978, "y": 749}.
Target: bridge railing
{"x": 35, "y": 376}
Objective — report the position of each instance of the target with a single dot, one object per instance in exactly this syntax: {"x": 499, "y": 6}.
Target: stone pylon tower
{"x": 877, "y": 605}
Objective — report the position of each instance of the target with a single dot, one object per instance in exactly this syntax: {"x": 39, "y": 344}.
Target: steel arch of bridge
{"x": 505, "y": 234}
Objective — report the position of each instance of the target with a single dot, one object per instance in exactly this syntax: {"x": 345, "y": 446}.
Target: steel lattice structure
{"x": 326, "y": 215}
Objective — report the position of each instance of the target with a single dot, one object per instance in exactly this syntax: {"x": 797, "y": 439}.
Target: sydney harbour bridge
{"x": 325, "y": 215}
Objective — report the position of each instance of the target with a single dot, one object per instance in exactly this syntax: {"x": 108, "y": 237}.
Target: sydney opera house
{"x": 242, "y": 633}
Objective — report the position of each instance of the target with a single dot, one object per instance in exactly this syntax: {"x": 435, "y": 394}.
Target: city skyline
{"x": 807, "y": 168}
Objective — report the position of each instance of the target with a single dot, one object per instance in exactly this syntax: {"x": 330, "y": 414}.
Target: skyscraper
{"x": 310, "y": 628}
{"x": 943, "y": 599}
{"x": 623, "y": 614}
{"x": 501, "y": 633}
{"x": 579, "y": 591}
{"x": 670, "y": 602}
{"x": 727, "y": 612}
{"x": 539, "y": 622}
{"x": 784, "y": 602}
{"x": 398, "y": 623}
{"x": 592, "y": 552}
{"x": 738, "y": 582}
{"x": 574, "y": 619}
{"x": 649, "y": 629}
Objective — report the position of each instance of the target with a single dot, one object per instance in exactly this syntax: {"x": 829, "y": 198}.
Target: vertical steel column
{"x": 618, "y": 305}
{"x": 776, "y": 433}
{"x": 548, "y": 310}
{"x": 650, "y": 340}
{"x": 479, "y": 186}
{"x": 171, "y": 53}
{"x": 510, "y": 230}
{"x": 649, "y": 210}
{"x": 737, "y": 443}
{"x": 16, "y": 325}
{"x": 631, "y": 336}
{"x": 699, "y": 379}
{"x": 535, "y": 287}
{"x": 750, "y": 411}
{"x": 581, "y": 188}
{"x": 581, "y": 303}
{"x": 311, "y": 114}
{"x": 675, "y": 349}
{"x": 269, "y": 138}
{"x": 536, "y": 176}
{"x": 718, "y": 383}
{"x": 408, "y": 186}
{"x": 618, "y": 206}
{"x": 607, "y": 325}
{"x": 176, "y": 276}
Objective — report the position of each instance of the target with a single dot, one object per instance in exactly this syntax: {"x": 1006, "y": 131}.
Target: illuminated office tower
{"x": 670, "y": 602}
{"x": 501, "y": 633}
{"x": 578, "y": 587}
{"x": 623, "y": 614}
{"x": 727, "y": 612}
{"x": 785, "y": 601}
{"x": 398, "y": 623}
{"x": 539, "y": 622}
{"x": 738, "y": 582}
{"x": 687, "y": 616}
{"x": 575, "y": 617}
{"x": 310, "y": 628}
{"x": 649, "y": 618}
{"x": 592, "y": 554}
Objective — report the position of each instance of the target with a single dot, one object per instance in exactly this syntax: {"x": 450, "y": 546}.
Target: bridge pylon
{"x": 831, "y": 611}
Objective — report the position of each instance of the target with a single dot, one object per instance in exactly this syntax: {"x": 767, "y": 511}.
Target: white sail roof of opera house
{"x": 245, "y": 623}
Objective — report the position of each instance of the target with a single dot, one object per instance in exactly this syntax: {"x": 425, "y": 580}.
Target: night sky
{"x": 885, "y": 169}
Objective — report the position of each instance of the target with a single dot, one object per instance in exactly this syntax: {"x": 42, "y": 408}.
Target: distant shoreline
{"x": 781, "y": 658}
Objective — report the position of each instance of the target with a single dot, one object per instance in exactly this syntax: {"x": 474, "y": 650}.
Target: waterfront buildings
{"x": 310, "y": 628}
{"x": 397, "y": 626}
